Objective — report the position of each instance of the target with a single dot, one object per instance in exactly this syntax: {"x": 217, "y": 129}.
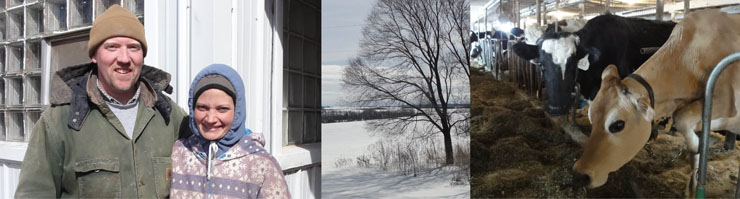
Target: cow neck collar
{"x": 647, "y": 87}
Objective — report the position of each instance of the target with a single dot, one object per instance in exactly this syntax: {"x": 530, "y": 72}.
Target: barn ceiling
{"x": 527, "y": 7}
{"x": 501, "y": 11}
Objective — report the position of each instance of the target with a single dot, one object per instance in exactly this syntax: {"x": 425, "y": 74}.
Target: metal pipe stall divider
{"x": 648, "y": 50}
{"x": 486, "y": 45}
{"x": 706, "y": 121}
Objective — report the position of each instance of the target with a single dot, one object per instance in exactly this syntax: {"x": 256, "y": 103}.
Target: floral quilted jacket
{"x": 244, "y": 171}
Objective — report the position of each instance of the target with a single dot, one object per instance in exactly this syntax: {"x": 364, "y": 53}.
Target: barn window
{"x": 301, "y": 72}
{"x": 37, "y": 38}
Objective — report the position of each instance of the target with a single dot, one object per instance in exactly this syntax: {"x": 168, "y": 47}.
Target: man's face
{"x": 119, "y": 62}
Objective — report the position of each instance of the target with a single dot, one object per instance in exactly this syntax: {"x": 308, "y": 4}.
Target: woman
{"x": 222, "y": 159}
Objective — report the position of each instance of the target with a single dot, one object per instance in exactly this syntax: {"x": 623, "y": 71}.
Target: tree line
{"x": 332, "y": 116}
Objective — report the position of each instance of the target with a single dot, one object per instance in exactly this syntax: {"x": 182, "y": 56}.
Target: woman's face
{"x": 214, "y": 113}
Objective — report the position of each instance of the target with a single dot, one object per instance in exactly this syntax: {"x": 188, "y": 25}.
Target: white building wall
{"x": 10, "y": 167}
{"x": 186, "y": 36}
{"x": 10, "y": 170}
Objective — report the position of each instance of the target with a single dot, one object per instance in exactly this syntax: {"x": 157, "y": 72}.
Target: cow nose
{"x": 581, "y": 179}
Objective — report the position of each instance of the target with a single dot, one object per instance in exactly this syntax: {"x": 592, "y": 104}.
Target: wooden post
{"x": 659, "y": 10}
{"x": 606, "y": 6}
{"x": 544, "y": 13}
{"x": 485, "y": 20}
{"x": 539, "y": 13}
{"x": 518, "y": 13}
{"x": 557, "y": 5}
{"x": 686, "y": 8}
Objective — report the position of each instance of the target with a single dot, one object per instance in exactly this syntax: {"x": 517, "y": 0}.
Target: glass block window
{"x": 301, "y": 72}
{"x": 27, "y": 28}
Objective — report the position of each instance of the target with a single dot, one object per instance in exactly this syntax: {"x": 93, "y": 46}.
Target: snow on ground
{"x": 343, "y": 140}
{"x": 349, "y": 140}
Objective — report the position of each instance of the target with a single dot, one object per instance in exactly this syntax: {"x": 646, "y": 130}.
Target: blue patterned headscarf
{"x": 238, "y": 128}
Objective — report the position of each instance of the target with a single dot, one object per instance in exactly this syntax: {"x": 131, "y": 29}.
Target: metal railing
{"x": 524, "y": 73}
{"x": 507, "y": 66}
{"x": 493, "y": 56}
{"x": 706, "y": 124}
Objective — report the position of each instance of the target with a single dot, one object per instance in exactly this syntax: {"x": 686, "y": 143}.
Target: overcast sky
{"x": 341, "y": 31}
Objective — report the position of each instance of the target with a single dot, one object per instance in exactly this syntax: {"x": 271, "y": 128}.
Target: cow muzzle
{"x": 581, "y": 179}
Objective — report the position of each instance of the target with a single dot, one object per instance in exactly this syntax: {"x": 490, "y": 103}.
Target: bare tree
{"x": 414, "y": 54}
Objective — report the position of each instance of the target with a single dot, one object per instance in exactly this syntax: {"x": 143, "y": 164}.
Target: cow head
{"x": 566, "y": 25}
{"x": 621, "y": 120}
{"x": 559, "y": 56}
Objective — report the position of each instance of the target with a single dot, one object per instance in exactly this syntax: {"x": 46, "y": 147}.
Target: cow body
{"x": 621, "y": 113}
{"x": 476, "y": 49}
{"x": 475, "y": 36}
{"x": 580, "y": 57}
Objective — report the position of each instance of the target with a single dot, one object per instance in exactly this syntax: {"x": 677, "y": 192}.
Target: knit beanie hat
{"x": 214, "y": 81}
{"x": 115, "y": 21}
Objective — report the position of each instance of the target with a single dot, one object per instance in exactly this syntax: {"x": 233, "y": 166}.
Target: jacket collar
{"x": 75, "y": 85}
{"x": 248, "y": 144}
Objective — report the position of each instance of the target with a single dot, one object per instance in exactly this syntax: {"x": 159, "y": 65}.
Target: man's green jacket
{"x": 78, "y": 148}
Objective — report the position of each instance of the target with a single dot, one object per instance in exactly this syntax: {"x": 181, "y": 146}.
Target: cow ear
{"x": 526, "y": 51}
{"x": 643, "y": 106}
{"x": 577, "y": 39}
{"x": 609, "y": 73}
{"x": 595, "y": 54}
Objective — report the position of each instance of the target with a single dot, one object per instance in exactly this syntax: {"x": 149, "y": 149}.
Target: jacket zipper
{"x": 209, "y": 181}
{"x": 133, "y": 160}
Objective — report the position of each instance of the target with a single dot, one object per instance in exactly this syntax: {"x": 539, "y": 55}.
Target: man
{"x": 109, "y": 129}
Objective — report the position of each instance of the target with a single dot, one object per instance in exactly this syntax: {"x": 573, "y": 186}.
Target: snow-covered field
{"x": 351, "y": 139}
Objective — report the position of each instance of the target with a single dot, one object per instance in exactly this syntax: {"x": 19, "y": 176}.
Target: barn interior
{"x": 517, "y": 150}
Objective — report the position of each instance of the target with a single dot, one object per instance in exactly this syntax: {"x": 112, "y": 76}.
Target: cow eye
{"x": 625, "y": 91}
{"x": 617, "y": 126}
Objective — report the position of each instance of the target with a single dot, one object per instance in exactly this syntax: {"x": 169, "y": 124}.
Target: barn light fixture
{"x": 505, "y": 26}
{"x": 629, "y": 2}
{"x": 558, "y": 14}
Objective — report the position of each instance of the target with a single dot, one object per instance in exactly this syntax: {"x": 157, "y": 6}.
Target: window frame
{"x": 44, "y": 37}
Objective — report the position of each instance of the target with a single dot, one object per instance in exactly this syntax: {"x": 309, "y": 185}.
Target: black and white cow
{"x": 513, "y": 33}
{"x": 475, "y": 48}
{"x": 567, "y": 58}
{"x": 475, "y": 36}
{"x": 534, "y": 32}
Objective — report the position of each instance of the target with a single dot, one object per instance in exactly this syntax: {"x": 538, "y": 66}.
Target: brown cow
{"x": 622, "y": 112}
